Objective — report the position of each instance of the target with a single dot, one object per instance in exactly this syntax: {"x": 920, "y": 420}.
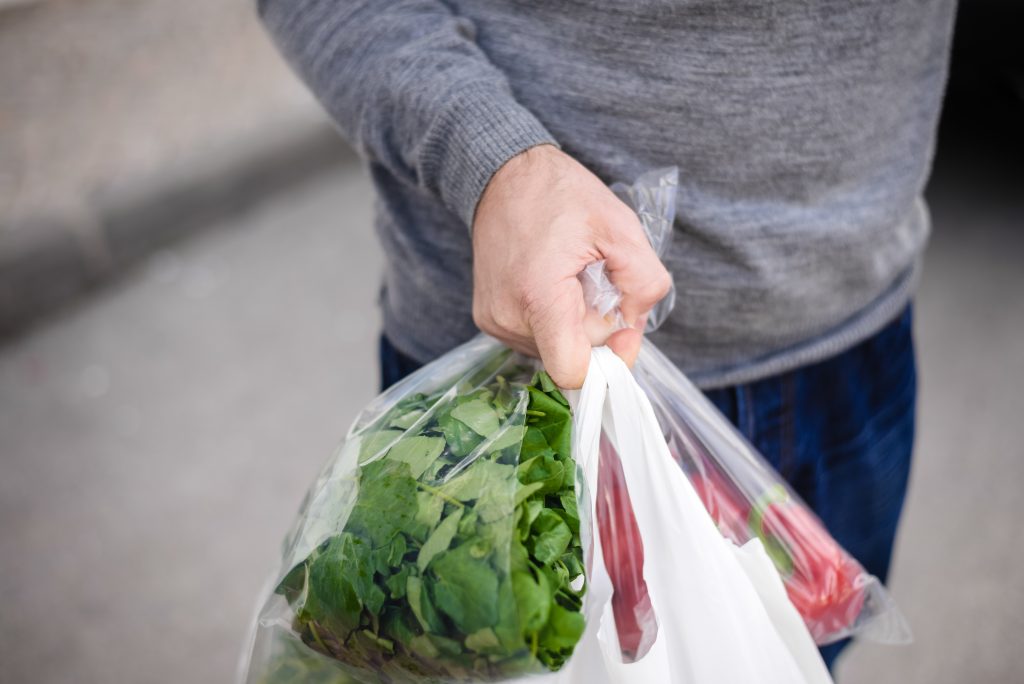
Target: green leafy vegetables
{"x": 461, "y": 556}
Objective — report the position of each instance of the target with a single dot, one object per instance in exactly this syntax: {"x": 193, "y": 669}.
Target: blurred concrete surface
{"x": 157, "y": 440}
{"x": 126, "y": 124}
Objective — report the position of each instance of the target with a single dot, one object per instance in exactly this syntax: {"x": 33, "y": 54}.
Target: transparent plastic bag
{"x": 653, "y": 198}
{"x": 392, "y": 569}
{"x": 747, "y": 499}
{"x": 834, "y": 595}
{"x": 442, "y": 542}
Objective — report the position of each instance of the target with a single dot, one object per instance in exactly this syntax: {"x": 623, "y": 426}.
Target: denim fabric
{"x": 840, "y": 431}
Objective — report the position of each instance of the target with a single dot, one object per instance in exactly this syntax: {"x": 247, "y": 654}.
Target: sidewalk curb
{"x": 52, "y": 260}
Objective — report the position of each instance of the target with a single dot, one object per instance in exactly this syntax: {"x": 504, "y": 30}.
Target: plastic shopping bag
{"x": 444, "y": 540}
{"x": 721, "y": 610}
{"x": 450, "y": 539}
{"x": 748, "y": 499}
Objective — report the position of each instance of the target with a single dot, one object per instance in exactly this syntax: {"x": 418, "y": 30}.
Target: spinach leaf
{"x": 459, "y": 555}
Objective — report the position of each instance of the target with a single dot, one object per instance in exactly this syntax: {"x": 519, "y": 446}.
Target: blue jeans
{"x": 840, "y": 431}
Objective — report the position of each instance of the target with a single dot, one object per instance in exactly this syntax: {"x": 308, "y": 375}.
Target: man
{"x": 803, "y": 133}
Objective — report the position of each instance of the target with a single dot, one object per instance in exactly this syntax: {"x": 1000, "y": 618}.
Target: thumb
{"x": 561, "y": 339}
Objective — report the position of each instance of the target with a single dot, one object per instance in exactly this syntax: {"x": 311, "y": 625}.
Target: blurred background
{"x": 188, "y": 277}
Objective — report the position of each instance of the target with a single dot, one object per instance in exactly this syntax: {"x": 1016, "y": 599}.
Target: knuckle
{"x": 504, "y": 319}
{"x": 480, "y": 319}
{"x": 483, "y": 316}
{"x": 627, "y": 226}
{"x": 656, "y": 287}
{"x": 663, "y": 283}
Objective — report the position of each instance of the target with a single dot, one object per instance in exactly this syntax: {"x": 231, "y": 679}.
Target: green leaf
{"x": 563, "y": 629}
{"x": 555, "y": 423}
{"x": 461, "y": 438}
{"x": 429, "y": 507}
{"x": 478, "y": 415}
{"x": 466, "y": 589}
{"x": 397, "y": 552}
{"x": 467, "y": 526}
{"x": 572, "y": 514}
{"x": 445, "y": 645}
{"x": 478, "y": 477}
{"x": 374, "y": 599}
{"x": 340, "y": 580}
{"x": 543, "y": 470}
{"x": 418, "y": 452}
{"x": 422, "y": 645}
{"x": 439, "y": 540}
{"x": 510, "y": 435}
{"x": 376, "y": 443}
{"x": 534, "y": 444}
{"x": 552, "y": 536}
{"x": 422, "y": 607}
{"x": 533, "y": 601}
{"x": 526, "y": 491}
{"x": 447, "y": 568}
{"x": 547, "y": 385}
{"x": 386, "y": 504}
{"x": 293, "y": 583}
{"x": 398, "y": 582}
{"x": 404, "y": 421}
{"x": 398, "y": 623}
{"x": 573, "y": 564}
{"x": 483, "y": 641}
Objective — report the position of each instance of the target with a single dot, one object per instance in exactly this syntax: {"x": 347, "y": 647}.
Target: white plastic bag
{"x": 835, "y": 596}
{"x": 721, "y": 610}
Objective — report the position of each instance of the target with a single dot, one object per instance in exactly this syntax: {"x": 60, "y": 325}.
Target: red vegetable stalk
{"x": 623, "y": 553}
{"x": 821, "y": 579}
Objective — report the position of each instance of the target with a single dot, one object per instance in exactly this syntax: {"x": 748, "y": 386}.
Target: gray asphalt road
{"x": 156, "y": 441}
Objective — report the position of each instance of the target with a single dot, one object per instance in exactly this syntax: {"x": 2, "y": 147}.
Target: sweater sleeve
{"x": 409, "y": 88}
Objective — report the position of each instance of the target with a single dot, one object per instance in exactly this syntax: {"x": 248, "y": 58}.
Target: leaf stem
{"x": 437, "y": 492}
{"x": 316, "y": 635}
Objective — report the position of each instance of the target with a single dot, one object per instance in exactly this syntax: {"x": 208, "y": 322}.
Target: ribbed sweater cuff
{"x": 480, "y": 129}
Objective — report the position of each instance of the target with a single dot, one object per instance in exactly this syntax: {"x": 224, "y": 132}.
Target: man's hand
{"x": 540, "y": 221}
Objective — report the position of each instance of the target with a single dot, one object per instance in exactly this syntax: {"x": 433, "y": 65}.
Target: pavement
{"x": 156, "y": 440}
{"x": 128, "y": 124}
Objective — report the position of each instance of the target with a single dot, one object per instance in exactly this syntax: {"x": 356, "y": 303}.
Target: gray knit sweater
{"x": 803, "y": 132}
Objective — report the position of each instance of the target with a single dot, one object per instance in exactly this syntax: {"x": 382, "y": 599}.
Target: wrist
{"x": 507, "y": 182}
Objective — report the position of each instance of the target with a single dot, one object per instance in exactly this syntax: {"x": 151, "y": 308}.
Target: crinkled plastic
{"x": 442, "y": 542}
{"x": 721, "y": 609}
{"x": 747, "y": 499}
{"x": 653, "y": 198}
